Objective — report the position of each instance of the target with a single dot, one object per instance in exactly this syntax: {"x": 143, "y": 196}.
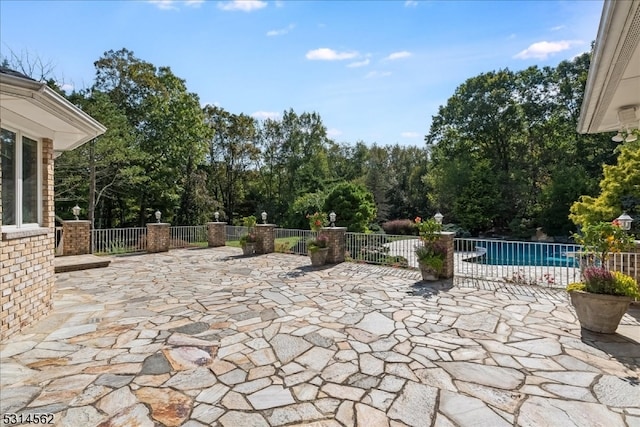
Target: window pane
{"x": 8, "y": 154}
{"x": 29, "y": 180}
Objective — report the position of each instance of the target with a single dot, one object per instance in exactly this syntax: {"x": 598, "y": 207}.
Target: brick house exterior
{"x": 36, "y": 124}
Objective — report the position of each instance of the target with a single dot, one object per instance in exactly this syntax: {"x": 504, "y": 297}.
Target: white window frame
{"x": 18, "y": 184}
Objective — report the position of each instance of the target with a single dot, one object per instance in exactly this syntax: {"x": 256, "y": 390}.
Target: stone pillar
{"x": 265, "y": 238}
{"x": 337, "y": 243}
{"x": 77, "y": 237}
{"x": 447, "y": 238}
{"x": 158, "y": 236}
{"x": 216, "y": 234}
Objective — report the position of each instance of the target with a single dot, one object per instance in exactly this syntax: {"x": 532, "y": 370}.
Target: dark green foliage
{"x": 353, "y": 204}
{"x": 404, "y": 227}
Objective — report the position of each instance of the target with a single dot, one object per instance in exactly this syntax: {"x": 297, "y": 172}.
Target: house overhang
{"x": 612, "y": 92}
{"x": 33, "y": 106}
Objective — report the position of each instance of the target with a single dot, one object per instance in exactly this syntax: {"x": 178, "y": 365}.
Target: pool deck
{"x": 210, "y": 338}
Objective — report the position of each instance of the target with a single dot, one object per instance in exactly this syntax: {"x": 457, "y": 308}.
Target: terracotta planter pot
{"x": 598, "y": 312}
{"x": 318, "y": 257}
{"x": 248, "y": 248}
{"x": 428, "y": 273}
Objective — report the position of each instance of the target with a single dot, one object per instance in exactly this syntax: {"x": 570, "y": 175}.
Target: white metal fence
{"x": 382, "y": 249}
{"x": 118, "y": 240}
{"x": 292, "y": 241}
{"x": 184, "y": 236}
{"x": 547, "y": 264}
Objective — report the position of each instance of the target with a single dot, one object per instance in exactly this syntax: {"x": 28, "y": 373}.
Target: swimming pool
{"x": 499, "y": 252}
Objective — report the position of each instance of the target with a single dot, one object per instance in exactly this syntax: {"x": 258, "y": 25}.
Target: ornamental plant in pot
{"x": 431, "y": 251}
{"x": 248, "y": 240}
{"x": 603, "y": 296}
{"x": 317, "y": 247}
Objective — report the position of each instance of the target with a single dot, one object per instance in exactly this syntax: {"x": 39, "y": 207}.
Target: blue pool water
{"x": 525, "y": 253}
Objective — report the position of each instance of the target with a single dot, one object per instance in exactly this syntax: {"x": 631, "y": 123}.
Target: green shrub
{"x": 403, "y": 227}
{"x": 625, "y": 285}
{"x": 353, "y": 204}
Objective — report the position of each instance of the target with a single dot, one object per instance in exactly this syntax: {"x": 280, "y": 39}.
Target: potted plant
{"x": 431, "y": 251}
{"x": 248, "y": 240}
{"x": 317, "y": 247}
{"x": 602, "y": 298}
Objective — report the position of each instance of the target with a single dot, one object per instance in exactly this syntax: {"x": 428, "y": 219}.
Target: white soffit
{"x": 37, "y": 109}
{"x": 614, "y": 75}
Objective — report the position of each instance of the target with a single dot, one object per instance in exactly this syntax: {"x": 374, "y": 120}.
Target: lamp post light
{"x": 438, "y": 217}
{"x": 332, "y": 219}
{"x": 158, "y": 215}
{"x": 76, "y": 211}
{"x": 625, "y": 221}
{"x": 216, "y": 215}
{"x": 264, "y": 217}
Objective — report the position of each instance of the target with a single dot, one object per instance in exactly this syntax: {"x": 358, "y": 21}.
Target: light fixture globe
{"x": 216, "y": 215}
{"x": 625, "y": 221}
{"x": 332, "y": 218}
{"x": 264, "y": 217}
{"x": 158, "y": 215}
{"x": 76, "y": 211}
{"x": 438, "y": 217}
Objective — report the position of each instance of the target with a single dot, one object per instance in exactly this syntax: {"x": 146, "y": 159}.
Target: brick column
{"x": 76, "y": 237}
{"x": 158, "y": 236}
{"x": 265, "y": 238}
{"x": 337, "y": 243}
{"x": 216, "y": 234}
{"x": 447, "y": 238}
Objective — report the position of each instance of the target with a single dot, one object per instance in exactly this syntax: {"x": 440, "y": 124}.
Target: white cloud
{"x": 410, "y": 3}
{"x": 374, "y": 74}
{"x": 279, "y": 3}
{"x": 173, "y": 4}
{"x": 542, "y": 50}
{"x": 67, "y": 87}
{"x": 398, "y": 55}
{"x": 359, "y": 64}
{"x": 281, "y": 31}
{"x": 558, "y": 27}
{"x": 326, "y": 54}
{"x": 242, "y": 5}
{"x": 409, "y": 134}
{"x": 164, "y": 4}
{"x": 333, "y": 133}
{"x": 264, "y": 115}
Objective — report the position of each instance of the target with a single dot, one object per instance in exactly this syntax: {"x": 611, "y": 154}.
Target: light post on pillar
{"x": 625, "y": 221}
{"x": 216, "y": 215}
{"x": 438, "y": 217}
{"x": 158, "y": 215}
{"x": 264, "y": 217}
{"x": 332, "y": 218}
{"x": 76, "y": 211}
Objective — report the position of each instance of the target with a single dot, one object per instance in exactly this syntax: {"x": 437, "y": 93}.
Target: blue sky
{"x": 376, "y": 71}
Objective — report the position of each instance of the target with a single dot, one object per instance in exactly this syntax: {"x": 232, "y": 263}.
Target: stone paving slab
{"x": 210, "y": 338}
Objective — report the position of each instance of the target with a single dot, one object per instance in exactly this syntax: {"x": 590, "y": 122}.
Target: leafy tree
{"x": 353, "y": 204}
{"x": 619, "y": 190}
{"x": 306, "y": 204}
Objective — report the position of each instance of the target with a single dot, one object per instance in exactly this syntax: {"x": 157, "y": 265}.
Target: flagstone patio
{"x": 207, "y": 337}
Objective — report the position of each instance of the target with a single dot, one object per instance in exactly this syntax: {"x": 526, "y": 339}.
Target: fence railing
{"x": 184, "y": 236}
{"x": 118, "y": 240}
{"x": 382, "y": 249}
{"x": 548, "y": 264}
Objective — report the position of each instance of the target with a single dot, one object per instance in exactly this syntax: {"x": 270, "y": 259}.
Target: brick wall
{"x": 158, "y": 236}
{"x": 216, "y": 234}
{"x": 265, "y": 238}
{"x": 448, "y": 239}
{"x": 77, "y": 237}
{"x": 27, "y": 275}
{"x": 336, "y": 244}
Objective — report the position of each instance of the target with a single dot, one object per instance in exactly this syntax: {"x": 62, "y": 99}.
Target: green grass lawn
{"x": 283, "y": 244}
